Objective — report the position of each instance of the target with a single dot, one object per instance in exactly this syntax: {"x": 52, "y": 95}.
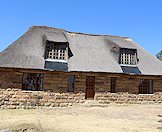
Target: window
{"x": 32, "y": 81}
{"x": 56, "y": 50}
{"x": 128, "y": 56}
{"x": 71, "y": 80}
{"x": 145, "y": 86}
{"x": 113, "y": 85}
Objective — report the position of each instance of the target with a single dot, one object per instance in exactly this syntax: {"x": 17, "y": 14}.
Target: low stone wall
{"x": 17, "y": 99}
{"x": 125, "y": 98}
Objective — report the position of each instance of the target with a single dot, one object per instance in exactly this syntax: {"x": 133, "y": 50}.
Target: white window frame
{"x": 56, "y": 52}
{"x": 128, "y": 59}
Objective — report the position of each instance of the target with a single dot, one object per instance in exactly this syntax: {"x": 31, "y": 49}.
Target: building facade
{"x": 58, "y": 61}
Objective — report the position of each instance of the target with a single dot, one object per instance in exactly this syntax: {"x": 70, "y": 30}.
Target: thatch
{"x": 96, "y": 53}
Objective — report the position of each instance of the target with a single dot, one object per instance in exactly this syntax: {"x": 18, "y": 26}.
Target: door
{"x": 90, "y": 87}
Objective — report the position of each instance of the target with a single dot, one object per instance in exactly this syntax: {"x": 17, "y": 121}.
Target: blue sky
{"x": 140, "y": 20}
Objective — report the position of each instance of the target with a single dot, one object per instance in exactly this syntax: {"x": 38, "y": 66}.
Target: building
{"x": 50, "y": 59}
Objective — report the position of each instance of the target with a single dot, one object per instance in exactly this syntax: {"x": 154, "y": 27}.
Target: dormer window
{"x": 56, "y": 51}
{"x": 128, "y": 57}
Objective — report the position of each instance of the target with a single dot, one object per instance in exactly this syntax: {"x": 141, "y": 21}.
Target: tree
{"x": 159, "y": 55}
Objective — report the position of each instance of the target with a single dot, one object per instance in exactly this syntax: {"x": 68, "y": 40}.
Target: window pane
{"x": 32, "y": 81}
{"x": 71, "y": 79}
{"x": 113, "y": 85}
{"x": 145, "y": 86}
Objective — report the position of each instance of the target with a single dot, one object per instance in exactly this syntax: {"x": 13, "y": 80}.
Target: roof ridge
{"x": 90, "y": 34}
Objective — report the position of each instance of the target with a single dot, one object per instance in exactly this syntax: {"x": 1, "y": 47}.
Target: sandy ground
{"x": 114, "y": 118}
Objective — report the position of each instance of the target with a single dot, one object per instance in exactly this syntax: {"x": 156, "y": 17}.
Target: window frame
{"x": 143, "y": 88}
{"x": 71, "y": 88}
{"x": 113, "y": 83}
{"x": 35, "y": 76}
{"x": 56, "y": 51}
{"x": 128, "y": 57}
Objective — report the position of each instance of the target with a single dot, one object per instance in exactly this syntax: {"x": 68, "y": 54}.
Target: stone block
{"x": 47, "y": 104}
{"x": 58, "y": 101}
{"x": 112, "y": 99}
{"x": 16, "y": 96}
{"x": 3, "y": 106}
{"x": 76, "y": 101}
{"x": 103, "y": 98}
{"x": 26, "y": 96}
{"x": 43, "y": 101}
{"x": 12, "y": 99}
{"x": 81, "y": 101}
{"x": 70, "y": 104}
{"x": 1, "y": 103}
{"x": 8, "y": 89}
{"x": 107, "y": 102}
{"x": 101, "y": 101}
{"x": 63, "y": 104}
{"x": 58, "y": 96}
{"x": 119, "y": 102}
{"x": 11, "y": 106}
{"x": 23, "y": 100}
{"x": 64, "y": 97}
{"x": 51, "y": 100}
{"x": 70, "y": 97}
{"x": 1, "y": 96}
{"x": 11, "y": 93}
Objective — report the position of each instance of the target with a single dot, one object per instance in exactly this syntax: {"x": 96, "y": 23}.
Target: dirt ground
{"x": 114, "y": 118}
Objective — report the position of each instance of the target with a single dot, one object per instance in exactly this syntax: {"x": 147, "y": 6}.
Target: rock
{"x": 47, "y": 104}
{"x": 63, "y": 104}
{"x": 57, "y": 96}
{"x": 11, "y": 106}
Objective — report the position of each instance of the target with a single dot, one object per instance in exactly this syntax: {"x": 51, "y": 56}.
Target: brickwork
{"x": 17, "y": 99}
{"x": 125, "y": 98}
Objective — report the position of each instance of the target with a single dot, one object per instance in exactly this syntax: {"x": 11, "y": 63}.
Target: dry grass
{"x": 114, "y": 118}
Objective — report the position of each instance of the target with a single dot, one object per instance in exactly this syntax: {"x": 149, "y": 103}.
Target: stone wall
{"x": 125, "y": 98}
{"x": 17, "y": 99}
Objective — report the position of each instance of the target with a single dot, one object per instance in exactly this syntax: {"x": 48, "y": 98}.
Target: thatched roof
{"x": 96, "y": 53}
